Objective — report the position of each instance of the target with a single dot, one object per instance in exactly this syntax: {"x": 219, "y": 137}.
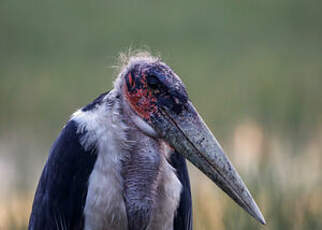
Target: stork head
{"x": 161, "y": 108}
{"x": 149, "y": 86}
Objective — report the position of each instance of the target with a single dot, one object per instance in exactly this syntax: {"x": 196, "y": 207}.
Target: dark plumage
{"x": 62, "y": 189}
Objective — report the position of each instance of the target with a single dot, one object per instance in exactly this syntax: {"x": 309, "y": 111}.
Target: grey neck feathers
{"x": 140, "y": 172}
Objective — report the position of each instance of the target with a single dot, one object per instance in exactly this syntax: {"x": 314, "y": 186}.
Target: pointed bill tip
{"x": 261, "y": 219}
{"x": 256, "y": 213}
{"x": 259, "y": 216}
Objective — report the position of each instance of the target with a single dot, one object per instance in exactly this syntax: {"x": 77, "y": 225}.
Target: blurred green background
{"x": 252, "y": 68}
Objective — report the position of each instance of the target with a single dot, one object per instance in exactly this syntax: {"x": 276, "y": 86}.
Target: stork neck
{"x": 140, "y": 172}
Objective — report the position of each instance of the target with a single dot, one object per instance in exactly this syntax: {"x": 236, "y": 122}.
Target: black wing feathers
{"x": 62, "y": 189}
{"x": 183, "y": 217}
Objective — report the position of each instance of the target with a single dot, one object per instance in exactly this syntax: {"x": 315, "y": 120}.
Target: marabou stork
{"x": 119, "y": 162}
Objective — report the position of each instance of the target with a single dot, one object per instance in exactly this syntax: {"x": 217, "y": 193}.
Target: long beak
{"x": 190, "y": 136}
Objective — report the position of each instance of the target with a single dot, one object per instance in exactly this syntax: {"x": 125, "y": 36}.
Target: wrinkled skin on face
{"x": 151, "y": 86}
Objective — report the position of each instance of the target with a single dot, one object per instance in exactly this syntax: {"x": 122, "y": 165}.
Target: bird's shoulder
{"x": 95, "y": 102}
{"x": 62, "y": 188}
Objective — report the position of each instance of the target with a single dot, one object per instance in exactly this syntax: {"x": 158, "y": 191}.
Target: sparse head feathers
{"x": 126, "y": 61}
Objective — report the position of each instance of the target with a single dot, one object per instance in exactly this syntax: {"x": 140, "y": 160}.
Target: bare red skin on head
{"x": 141, "y": 100}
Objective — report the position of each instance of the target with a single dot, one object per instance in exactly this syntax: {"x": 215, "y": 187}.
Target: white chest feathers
{"x": 105, "y": 207}
{"x": 169, "y": 190}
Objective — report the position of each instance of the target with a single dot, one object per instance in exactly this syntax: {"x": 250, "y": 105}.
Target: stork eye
{"x": 153, "y": 82}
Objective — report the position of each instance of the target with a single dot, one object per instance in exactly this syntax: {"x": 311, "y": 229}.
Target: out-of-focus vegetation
{"x": 252, "y": 68}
